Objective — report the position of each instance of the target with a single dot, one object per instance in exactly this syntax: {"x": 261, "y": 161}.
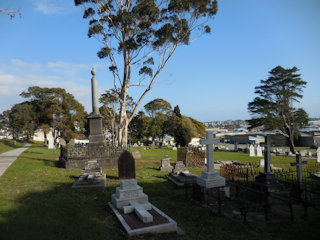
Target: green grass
{"x": 37, "y": 202}
{"x": 7, "y": 145}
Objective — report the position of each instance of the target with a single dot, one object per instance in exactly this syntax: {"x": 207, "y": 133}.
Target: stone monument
{"x": 95, "y": 119}
{"x": 181, "y": 176}
{"x": 266, "y": 180}
{"x": 210, "y": 178}
{"x": 318, "y": 155}
{"x": 165, "y": 164}
{"x": 259, "y": 151}
{"x": 51, "y": 142}
{"x": 91, "y": 177}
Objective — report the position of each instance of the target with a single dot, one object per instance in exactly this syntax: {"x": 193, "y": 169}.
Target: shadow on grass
{"x": 66, "y": 213}
{"x": 61, "y": 213}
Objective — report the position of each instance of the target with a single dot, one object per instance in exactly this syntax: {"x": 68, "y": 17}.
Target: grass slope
{"x": 37, "y": 202}
{"x": 7, "y": 145}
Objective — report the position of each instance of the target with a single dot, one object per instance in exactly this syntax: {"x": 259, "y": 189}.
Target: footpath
{"x": 9, "y": 157}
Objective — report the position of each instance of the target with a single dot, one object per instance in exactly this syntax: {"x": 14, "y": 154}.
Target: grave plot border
{"x": 170, "y": 226}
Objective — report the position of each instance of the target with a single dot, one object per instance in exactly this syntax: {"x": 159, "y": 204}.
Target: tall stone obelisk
{"x": 95, "y": 119}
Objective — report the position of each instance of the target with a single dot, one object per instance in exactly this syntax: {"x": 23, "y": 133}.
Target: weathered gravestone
{"x": 210, "y": 178}
{"x": 51, "y": 143}
{"x": 259, "y": 151}
{"x": 318, "y": 155}
{"x": 91, "y": 177}
{"x": 180, "y": 175}
{"x": 126, "y": 166}
{"x": 251, "y": 151}
{"x": 165, "y": 164}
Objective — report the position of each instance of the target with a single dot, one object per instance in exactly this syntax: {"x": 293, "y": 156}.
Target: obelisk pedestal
{"x": 95, "y": 119}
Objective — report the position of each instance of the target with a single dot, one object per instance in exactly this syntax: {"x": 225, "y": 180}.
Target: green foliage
{"x": 22, "y": 120}
{"x": 273, "y": 108}
{"x": 138, "y": 39}
{"x": 55, "y": 107}
{"x": 157, "y": 105}
{"x": 139, "y": 128}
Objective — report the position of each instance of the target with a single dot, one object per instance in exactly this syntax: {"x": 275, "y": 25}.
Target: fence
{"x": 243, "y": 172}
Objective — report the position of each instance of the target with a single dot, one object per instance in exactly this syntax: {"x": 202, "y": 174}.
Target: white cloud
{"x": 19, "y": 75}
{"x": 68, "y": 68}
{"x": 49, "y": 7}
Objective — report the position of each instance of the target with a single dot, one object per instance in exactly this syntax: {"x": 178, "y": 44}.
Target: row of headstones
{"x": 255, "y": 151}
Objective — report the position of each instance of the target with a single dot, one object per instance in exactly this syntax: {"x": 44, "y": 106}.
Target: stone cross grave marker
{"x": 126, "y": 166}
{"x": 209, "y": 141}
{"x": 299, "y": 164}
{"x": 210, "y": 178}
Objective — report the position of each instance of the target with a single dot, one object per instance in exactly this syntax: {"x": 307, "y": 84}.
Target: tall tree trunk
{"x": 291, "y": 143}
{"x": 123, "y": 126}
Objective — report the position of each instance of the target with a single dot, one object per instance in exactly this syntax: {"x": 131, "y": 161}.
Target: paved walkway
{"x": 8, "y": 157}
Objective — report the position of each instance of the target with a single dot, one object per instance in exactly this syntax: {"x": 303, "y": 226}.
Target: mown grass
{"x": 37, "y": 202}
{"x": 7, "y": 145}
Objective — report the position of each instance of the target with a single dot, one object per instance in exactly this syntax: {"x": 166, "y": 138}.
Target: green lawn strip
{"x": 7, "y": 145}
{"x": 37, "y": 202}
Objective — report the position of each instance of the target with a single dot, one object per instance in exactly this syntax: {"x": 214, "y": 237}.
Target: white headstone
{"x": 251, "y": 151}
{"x": 318, "y": 155}
{"x": 261, "y": 163}
{"x": 259, "y": 151}
{"x": 51, "y": 143}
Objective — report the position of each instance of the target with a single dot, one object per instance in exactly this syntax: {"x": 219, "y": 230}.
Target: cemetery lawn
{"x": 37, "y": 202}
{"x": 7, "y": 145}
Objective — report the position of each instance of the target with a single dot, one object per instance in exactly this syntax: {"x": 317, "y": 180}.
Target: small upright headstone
{"x": 51, "y": 143}
{"x": 251, "y": 151}
{"x": 259, "y": 151}
{"x": 174, "y": 148}
{"x": 126, "y": 166}
{"x": 261, "y": 163}
{"x": 318, "y": 155}
{"x": 165, "y": 164}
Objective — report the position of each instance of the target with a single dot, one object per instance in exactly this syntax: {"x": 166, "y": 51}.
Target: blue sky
{"x": 211, "y": 79}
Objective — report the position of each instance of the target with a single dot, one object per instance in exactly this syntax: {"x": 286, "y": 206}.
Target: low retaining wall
{"x": 78, "y": 155}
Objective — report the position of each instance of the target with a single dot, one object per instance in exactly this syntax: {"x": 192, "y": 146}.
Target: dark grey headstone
{"x": 126, "y": 167}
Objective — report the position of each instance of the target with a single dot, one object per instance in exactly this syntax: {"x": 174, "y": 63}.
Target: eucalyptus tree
{"x": 274, "y": 107}
{"x": 139, "y": 37}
